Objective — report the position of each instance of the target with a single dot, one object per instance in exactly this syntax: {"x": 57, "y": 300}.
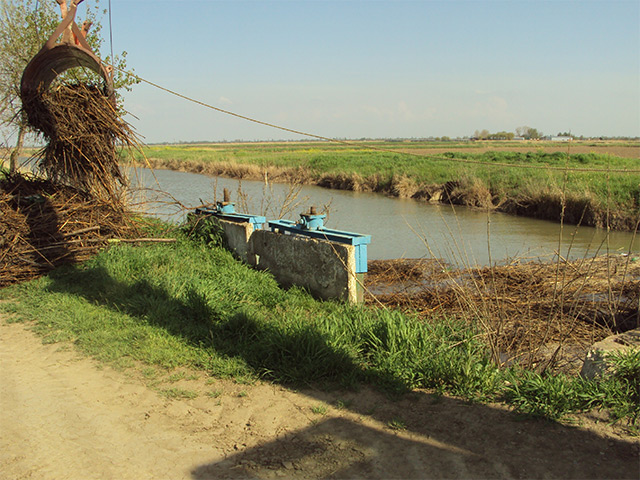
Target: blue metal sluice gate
{"x": 310, "y": 225}
{"x": 226, "y": 210}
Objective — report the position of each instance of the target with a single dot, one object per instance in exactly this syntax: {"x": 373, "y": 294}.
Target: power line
{"x": 371, "y": 147}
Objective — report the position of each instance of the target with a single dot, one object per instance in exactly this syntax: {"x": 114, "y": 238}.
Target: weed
{"x": 396, "y": 424}
{"x": 214, "y": 393}
{"x": 149, "y": 373}
{"x": 178, "y": 393}
{"x": 176, "y": 377}
{"x": 344, "y": 404}
{"x": 319, "y": 409}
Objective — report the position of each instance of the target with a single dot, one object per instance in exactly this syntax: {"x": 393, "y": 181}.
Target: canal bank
{"x": 594, "y": 189}
{"x": 400, "y": 227}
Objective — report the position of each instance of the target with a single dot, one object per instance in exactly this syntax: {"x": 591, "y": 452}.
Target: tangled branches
{"x": 44, "y": 225}
{"x": 82, "y": 129}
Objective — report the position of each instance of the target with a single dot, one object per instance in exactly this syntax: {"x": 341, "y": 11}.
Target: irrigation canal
{"x": 400, "y": 228}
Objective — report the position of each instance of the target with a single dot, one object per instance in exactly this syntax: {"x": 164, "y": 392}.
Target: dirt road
{"x": 66, "y": 417}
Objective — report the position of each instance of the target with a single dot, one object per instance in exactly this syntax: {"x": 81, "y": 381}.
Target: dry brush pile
{"x": 78, "y": 206}
{"x": 45, "y": 225}
{"x": 537, "y": 313}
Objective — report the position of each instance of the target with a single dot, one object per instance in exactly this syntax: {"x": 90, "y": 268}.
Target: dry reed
{"x": 82, "y": 129}
{"x": 44, "y": 225}
{"x": 520, "y": 301}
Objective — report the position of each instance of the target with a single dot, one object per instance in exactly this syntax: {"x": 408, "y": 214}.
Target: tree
{"x": 25, "y": 25}
{"x": 481, "y": 134}
{"x": 528, "y": 133}
{"x": 502, "y": 135}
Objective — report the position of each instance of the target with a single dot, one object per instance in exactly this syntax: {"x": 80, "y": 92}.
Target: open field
{"x": 595, "y": 184}
{"x": 618, "y": 148}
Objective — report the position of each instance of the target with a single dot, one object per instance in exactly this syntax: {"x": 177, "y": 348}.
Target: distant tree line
{"x": 525, "y": 132}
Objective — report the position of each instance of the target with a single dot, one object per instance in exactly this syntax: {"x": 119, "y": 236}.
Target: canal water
{"x": 399, "y": 228}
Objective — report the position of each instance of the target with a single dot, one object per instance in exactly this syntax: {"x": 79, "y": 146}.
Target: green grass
{"x": 189, "y": 306}
{"x": 396, "y": 424}
{"x": 520, "y": 189}
{"x": 179, "y": 393}
{"x": 214, "y": 393}
{"x": 319, "y": 409}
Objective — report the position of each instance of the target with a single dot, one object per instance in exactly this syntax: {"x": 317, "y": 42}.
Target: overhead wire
{"x": 372, "y": 147}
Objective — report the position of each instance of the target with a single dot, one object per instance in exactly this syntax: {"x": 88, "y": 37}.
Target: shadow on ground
{"x": 417, "y": 435}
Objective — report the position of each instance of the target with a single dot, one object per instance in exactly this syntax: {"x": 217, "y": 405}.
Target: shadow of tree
{"x": 440, "y": 437}
{"x": 271, "y": 349}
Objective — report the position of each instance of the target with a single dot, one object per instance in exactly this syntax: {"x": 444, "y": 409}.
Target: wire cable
{"x": 371, "y": 147}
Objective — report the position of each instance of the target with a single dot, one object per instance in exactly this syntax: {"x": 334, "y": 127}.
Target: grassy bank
{"x": 190, "y": 305}
{"x": 463, "y": 174}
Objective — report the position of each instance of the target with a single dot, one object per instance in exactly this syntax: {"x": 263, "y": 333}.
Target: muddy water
{"x": 398, "y": 227}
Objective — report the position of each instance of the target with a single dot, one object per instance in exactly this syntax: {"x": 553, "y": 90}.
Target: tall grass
{"x": 189, "y": 305}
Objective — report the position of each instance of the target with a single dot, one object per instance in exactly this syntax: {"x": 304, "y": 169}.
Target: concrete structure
{"x": 237, "y": 238}
{"x": 327, "y": 269}
{"x": 596, "y": 364}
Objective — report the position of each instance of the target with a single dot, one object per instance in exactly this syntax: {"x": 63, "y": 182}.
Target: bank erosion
{"x": 595, "y": 184}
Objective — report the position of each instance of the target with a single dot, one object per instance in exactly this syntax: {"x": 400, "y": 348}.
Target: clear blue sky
{"x": 351, "y": 69}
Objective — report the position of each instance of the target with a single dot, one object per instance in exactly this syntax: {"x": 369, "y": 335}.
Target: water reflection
{"x": 399, "y": 227}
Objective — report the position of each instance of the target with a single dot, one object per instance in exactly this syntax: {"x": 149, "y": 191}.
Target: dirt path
{"x": 65, "y": 417}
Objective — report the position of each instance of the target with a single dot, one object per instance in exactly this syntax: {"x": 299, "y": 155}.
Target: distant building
{"x": 561, "y": 139}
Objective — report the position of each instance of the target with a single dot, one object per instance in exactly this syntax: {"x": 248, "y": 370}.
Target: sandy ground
{"x": 63, "y": 416}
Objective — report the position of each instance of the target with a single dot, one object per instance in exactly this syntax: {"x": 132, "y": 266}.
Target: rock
{"x": 595, "y": 363}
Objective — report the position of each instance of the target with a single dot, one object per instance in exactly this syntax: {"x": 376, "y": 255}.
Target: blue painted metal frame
{"x": 311, "y": 222}
{"x": 257, "y": 220}
{"x": 358, "y": 240}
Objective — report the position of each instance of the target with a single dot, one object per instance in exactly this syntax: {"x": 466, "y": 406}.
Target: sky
{"x": 378, "y": 69}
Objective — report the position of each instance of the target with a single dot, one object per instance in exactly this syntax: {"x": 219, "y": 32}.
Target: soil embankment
{"x": 65, "y": 417}
{"x": 544, "y": 203}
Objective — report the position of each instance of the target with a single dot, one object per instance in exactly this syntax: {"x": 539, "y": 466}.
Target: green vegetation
{"x": 536, "y": 185}
{"x": 189, "y": 306}
{"x": 396, "y": 424}
{"x": 179, "y": 393}
{"x": 319, "y": 409}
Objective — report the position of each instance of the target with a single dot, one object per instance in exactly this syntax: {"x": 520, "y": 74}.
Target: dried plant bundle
{"x": 44, "y": 225}
{"x": 83, "y": 131}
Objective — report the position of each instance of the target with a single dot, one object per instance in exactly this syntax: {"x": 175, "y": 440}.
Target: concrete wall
{"x": 326, "y": 269}
{"x": 237, "y": 238}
